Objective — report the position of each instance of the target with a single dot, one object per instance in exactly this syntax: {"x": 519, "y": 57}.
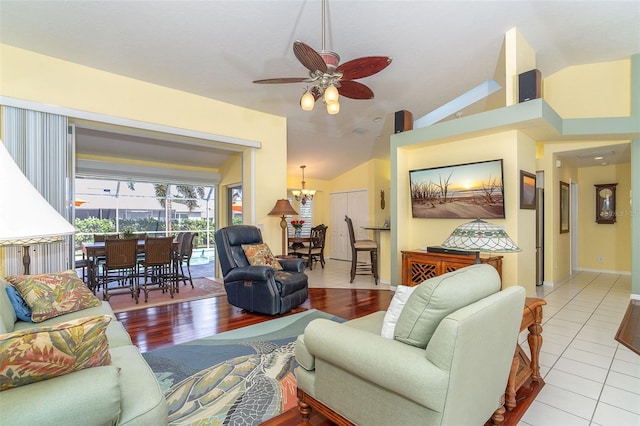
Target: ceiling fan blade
{"x": 354, "y": 90}
{"x": 309, "y": 57}
{"x": 282, "y": 80}
{"x": 363, "y": 67}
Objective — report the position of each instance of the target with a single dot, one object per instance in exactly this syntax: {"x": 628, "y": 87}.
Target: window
{"x": 157, "y": 209}
{"x": 305, "y": 212}
{"x": 234, "y": 203}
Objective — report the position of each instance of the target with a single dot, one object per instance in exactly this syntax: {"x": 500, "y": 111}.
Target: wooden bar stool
{"x": 362, "y": 268}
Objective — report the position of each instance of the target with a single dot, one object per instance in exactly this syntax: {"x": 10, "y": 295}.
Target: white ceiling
{"x": 216, "y": 48}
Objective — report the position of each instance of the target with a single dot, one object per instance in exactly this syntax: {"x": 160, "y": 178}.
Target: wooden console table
{"x": 522, "y": 368}
{"x": 419, "y": 265}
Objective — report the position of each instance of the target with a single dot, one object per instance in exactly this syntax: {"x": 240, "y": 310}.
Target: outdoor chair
{"x": 120, "y": 267}
{"x": 258, "y": 284}
{"x": 183, "y": 257}
{"x": 159, "y": 271}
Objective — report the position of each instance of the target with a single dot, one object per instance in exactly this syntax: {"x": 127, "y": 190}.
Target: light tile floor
{"x": 590, "y": 378}
{"x": 336, "y": 274}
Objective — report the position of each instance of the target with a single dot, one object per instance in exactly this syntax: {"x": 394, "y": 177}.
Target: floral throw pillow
{"x": 37, "y": 354}
{"x": 260, "y": 255}
{"x": 51, "y": 295}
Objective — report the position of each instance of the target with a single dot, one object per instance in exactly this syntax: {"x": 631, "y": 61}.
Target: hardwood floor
{"x": 167, "y": 325}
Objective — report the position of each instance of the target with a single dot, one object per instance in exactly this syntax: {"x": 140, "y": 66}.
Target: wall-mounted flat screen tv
{"x": 461, "y": 191}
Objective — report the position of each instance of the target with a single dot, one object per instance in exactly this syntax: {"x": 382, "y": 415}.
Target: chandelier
{"x": 303, "y": 194}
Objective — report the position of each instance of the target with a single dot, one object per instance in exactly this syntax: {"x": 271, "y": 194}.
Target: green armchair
{"x": 447, "y": 364}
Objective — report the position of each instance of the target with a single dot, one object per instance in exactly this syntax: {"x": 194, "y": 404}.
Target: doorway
{"x": 354, "y": 204}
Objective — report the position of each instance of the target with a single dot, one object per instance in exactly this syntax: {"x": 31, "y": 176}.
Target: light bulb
{"x": 331, "y": 94}
{"x": 307, "y": 101}
{"x": 333, "y": 108}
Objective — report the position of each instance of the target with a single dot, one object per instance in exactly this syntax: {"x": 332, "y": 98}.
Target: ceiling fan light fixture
{"x": 333, "y": 108}
{"x": 306, "y": 101}
{"x": 331, "y": 94}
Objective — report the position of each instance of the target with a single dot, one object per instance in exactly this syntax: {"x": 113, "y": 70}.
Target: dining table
{"x": 91, "y": 251}
{"x": 297, "y": 243}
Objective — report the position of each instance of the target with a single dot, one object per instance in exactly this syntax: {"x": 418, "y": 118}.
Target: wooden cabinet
{"x": 419, "y": 265}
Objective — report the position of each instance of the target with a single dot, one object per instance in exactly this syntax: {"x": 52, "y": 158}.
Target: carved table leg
{"x": 498, "y": 416}
{"x": 535, "y": 343}
{"x": 510, "y": 393}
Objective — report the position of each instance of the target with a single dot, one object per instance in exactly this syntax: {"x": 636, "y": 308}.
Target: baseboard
{"x": 603, "y": 271}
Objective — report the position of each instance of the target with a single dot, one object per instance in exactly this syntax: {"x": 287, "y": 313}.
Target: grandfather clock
{"x": 606, "y": 203}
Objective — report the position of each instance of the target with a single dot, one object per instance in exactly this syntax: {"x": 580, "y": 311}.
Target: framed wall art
{"x": 564, "y": 207}
{"x": 527, "y": 190}
{"x": 461, "y": 191}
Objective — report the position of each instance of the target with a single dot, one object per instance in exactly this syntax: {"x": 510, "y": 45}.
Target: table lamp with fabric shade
{"x": 26, "y": 218}
{"x": 283, "y": 208}
{"x": 480, "y": 236}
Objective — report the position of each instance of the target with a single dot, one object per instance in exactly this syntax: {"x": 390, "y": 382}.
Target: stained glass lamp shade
{"x": 480, "y": 236}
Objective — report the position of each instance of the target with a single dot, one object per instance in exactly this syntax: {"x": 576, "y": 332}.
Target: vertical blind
{"x": 38, "y": 144}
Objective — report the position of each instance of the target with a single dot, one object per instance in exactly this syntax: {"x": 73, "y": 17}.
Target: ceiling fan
{"x": 329, "y": 78}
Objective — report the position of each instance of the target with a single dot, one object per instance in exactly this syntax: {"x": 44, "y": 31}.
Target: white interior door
{"x": 355, "y": 205}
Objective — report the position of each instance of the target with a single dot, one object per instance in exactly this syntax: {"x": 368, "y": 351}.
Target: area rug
{"x": 202, "y": 287}
{"x": 243, "y": 376}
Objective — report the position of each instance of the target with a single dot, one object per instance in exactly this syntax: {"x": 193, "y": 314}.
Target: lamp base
{"x": 26, "y": 259}
{"x": 283, "y": 225}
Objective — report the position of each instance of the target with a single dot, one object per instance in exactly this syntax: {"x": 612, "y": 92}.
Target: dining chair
{"x": 120, "y": 266}
{"x": 315, "y": 250}
{"x": 158, "y": 267}
{"x": 184, "y": 257}
{"x": 98, "y": 262}
{"x": 357, "y": 246}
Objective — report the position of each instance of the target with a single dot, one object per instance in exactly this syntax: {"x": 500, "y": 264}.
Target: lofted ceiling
{"x": 216, "y": 48}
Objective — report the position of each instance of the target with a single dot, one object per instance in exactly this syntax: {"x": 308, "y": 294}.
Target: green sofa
{"x": 447, "y": 363}
{"x": 123, "y": 393}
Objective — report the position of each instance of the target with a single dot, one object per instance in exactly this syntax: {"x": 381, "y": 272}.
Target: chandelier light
{"x": 303, "y": 195}
{"x": 331, "y": 94}
{"x": 333, "y": 108}
{"x": 307, "y": 101}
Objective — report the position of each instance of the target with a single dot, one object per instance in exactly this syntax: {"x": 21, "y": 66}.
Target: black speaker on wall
{"x": 403, "y": 121}
{"x": 529, "y": 85}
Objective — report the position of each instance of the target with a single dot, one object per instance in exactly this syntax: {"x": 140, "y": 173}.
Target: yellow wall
{"x": 612, "y": 242}
{"x": 33, "y": 77}
{"x": 558, "y": 246}
{"x": 593, "y": 90}
{"x": 518, "y": 153}
{"x": 373, "y": 176}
